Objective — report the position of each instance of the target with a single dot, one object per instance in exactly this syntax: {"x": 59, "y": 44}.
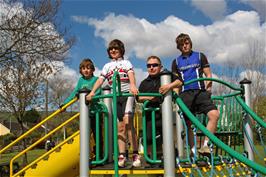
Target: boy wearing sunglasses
{"x": 152, "y": 84}
{"x": 125, "y": 105}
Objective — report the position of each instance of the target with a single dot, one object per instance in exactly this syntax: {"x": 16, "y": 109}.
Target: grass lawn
{"x": 32, "y": 155}
{"x": 258, "y": 158}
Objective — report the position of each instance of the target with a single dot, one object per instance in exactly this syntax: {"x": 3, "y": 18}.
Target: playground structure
{"x": 233, "y": 148}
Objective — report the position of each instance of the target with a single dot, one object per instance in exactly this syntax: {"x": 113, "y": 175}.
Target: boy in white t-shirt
{"x": 125, "y": 105}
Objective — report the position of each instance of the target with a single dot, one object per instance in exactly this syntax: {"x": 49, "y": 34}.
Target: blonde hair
{"x": 154, "y": 57}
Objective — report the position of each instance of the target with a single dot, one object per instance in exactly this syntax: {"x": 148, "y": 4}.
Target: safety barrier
{"x": 228, "y": 146}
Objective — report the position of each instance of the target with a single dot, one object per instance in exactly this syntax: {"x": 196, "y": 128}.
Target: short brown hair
{"x": 86, "y": 62}
{"x": 116, "y": 43}
{"x": 155, "y": 57}
{"x": 180, "y": 40}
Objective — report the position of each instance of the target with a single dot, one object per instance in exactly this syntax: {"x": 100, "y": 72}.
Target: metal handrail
{"x": 231, "y": 86}
{"x": 144, "y": 130}
{"x": 103, "y": 109}
{"x": 46, "y": 154}
{"x": 218, "y": 142}
{"x": 37, "y": 126}
{"x": 213, "y": 138}
{"x": 250, "y": 112}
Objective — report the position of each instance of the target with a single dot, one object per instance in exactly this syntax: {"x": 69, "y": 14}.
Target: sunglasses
{"x": 153, "y": 65}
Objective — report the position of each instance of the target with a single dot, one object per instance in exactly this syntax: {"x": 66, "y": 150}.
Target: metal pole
{"x": 46, "y": 104}
{"x": 167, "y": 122}
{"x": 84, "y": 127}
{"x": 108, "y": 103}
{"x": 247, "y": 121}
{"x": 179, "y": 130}
{"x": 10, "y": 123}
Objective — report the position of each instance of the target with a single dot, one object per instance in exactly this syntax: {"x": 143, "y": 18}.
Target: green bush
{"x": 32, "y": 116}
{"x": 7, "y": 139}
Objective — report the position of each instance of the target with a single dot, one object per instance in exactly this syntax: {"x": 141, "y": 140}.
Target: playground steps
{"x": 63, "y": 161}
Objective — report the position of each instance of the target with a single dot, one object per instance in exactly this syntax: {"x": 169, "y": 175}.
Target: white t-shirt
{"x": 123, "y": 67}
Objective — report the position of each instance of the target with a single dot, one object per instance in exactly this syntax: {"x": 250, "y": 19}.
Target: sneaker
{"x": 204, "y": 150}
{"x": 121, "y": 161}
{"x": 136, "y": 160}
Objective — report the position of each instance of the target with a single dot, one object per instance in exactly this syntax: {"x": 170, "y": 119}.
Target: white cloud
{"x": 140, "y": 75}
{"x": 45, "y": 34}
{"x": 258, "y": 82}
{"x": 141, "y": 37}
{"x": 214, "y": 9}
{"x": 258, "y": 5}
{"x": 253, "y": 76}
{"x": 7, "y": 12}
{"x": 221, "y": 41}
{"x": 97, "y": 71}
{"x": 70, "y": 75}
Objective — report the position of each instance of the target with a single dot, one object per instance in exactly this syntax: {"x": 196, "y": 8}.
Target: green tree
{"x": 6, "y": 139}
{"x": 262, "y": 107}
{"x": 32, "y": 116}
{"x": 32, "y": 39}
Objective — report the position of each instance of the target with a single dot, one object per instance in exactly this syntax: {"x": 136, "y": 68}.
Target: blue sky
{"x": 219, "y": 28}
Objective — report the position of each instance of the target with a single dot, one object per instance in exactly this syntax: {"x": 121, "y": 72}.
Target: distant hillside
{"x": 7, "y": 117}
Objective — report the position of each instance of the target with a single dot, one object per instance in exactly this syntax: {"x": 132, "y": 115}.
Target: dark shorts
{"x": 125, "y": 106}
{"x": 197, "y": 101}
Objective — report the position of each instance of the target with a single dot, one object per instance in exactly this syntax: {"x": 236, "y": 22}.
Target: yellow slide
{"x": 63, "y": 162}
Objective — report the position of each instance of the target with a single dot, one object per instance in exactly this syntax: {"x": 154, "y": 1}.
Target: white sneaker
{"x": 136, "y": 160}
{"x": 121, "y": 161}
{"x": 204, "y": 150}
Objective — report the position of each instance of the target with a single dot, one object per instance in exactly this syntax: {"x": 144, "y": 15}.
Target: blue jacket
{"x": 191, "y": 67}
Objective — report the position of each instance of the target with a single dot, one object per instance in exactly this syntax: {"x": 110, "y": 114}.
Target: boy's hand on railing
{"x": 89, "y": 96}
{"x": 134, "y": 90}
{"x": 164, "y": 89}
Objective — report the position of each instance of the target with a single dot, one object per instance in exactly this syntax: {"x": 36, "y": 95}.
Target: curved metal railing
{"x": 237, "y": 92}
